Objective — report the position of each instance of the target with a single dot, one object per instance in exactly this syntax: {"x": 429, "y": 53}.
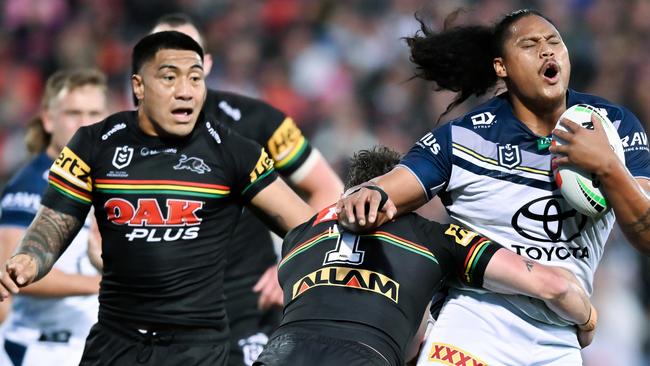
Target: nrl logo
{"x": 509, "y": 156}
{"x": 193, "y": 164}
{"x": 122, "y": 156}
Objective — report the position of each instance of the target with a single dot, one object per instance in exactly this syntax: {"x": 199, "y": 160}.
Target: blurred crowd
{"x": 341, "y": 69}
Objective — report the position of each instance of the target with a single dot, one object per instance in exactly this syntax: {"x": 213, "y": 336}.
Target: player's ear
{"x": 499, "y": 67}
{"x": 207, "y": 64}
{"x": 138, "y": 87}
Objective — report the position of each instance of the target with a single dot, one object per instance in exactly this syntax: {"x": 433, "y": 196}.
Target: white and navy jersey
{"x": 494, "y": 175}
{"x": 74, "y": 314}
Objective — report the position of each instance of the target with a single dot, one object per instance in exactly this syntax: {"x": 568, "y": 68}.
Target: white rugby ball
{"x": 581, "y": 189}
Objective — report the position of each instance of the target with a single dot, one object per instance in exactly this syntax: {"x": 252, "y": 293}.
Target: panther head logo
{"x": 193, "y": 164}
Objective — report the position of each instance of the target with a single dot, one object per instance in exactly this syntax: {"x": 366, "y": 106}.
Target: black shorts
{"x": 250, "y": 328}
{"x": 294, "y": 348}
{"x": 113, "y": 344}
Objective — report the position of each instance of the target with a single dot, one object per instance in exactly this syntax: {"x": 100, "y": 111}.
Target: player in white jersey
{"x": 491, "y": 168}
{"x": 50, "y": 320}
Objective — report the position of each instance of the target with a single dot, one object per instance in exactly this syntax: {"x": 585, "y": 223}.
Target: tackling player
{"x": 492, "y": 170}
{"x": 167, "y": 183}
{"x": 357, "y": 299}
{"x": 253, "y": 294}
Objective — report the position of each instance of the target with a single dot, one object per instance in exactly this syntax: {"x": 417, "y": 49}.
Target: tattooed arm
{"x": 632, "y": 208}
{"x": 45, "y": 240}
{"x": 510, "y": 273}
{"x": 280, "y": 207}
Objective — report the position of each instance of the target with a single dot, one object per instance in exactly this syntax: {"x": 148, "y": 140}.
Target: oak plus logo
{"x": 150, "y": 224}
{"x": 548, "y": 219}
{"x": 509, "y": 156}
{"x": 122, "y": 157}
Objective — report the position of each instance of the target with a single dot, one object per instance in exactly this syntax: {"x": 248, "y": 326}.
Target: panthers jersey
{"x": 73, "y": 315}
{"x": 165, "y": 209}
{"x": 494, "y": 175}
{"x": 292, "y": 156}
{"x": 379, "y": 280}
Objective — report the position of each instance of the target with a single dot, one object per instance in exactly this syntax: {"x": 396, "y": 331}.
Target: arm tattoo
{"x": 47, "y": 237}
{"x": 641, "y": 225}
{"x": 529, "y": 265}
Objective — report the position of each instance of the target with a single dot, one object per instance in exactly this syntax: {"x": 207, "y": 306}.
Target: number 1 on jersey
{"x": 346, "y": 250}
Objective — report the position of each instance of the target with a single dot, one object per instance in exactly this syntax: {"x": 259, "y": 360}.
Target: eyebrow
{"x": 174, "y": 67}
{"x": 536, "y": 38}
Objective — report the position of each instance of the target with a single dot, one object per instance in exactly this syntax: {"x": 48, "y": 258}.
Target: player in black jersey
{"x": 253, "y": 294}
{"x": 357, "y": 299}
{"x": 167, "y": 183}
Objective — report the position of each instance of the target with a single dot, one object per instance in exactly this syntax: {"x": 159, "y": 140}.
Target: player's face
{"x": 535, "y": 62}
{"x": 171, "y": 90}
{"x": 79, "y": 107}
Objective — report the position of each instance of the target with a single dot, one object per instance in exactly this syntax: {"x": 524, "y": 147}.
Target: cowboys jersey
{"x": 494, "y": 176}
{"x": 72, "y": 315}
{"x": 165, "y": 208}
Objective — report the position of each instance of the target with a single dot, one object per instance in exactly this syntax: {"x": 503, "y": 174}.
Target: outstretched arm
{"x": 627, "y": 196}
{"x": 358, "y": 209}
{"x": 280, "y": 207}
{"x": 45, "y": 240}
{"x": 510, "y": 273}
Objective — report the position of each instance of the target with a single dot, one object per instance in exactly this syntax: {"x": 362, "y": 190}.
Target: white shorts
{"x": 484, "y": 329}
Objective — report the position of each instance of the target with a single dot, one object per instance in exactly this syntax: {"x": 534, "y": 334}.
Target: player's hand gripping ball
{"x": 579, "y": 188}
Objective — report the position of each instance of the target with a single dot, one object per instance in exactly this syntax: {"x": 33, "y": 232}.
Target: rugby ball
{"x": 580, "y": 188}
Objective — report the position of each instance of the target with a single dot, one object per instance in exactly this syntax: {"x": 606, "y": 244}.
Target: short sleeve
{"x": 70, "y": 184}
{"x": 430, "y": 160}
{"x": 635, "y": 145}
{"x": 253, "y": 167}
{"x": 460, "y": 250}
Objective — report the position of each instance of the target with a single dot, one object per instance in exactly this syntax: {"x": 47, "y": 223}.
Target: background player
{"x": 253, "y": 294}
{"x": 167, "y": 184}
{"x": 491, "y": 169}
{"x": 51, "y": 319}
{"x": 358, "y": 299}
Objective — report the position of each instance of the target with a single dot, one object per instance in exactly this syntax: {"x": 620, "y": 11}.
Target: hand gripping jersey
{"x": 37, "y": 317}
{"x": 165, "y": 208}
{"x": 250, "y": 251}
{"x": 494, "y": 176}
{"x": 380, "y": 282}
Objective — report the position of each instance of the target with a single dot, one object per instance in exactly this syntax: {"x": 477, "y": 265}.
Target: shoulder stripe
{"x": 403, "y": 243}
{"x": 457, "y": 148}
{"x": 69, "y": 191}
{"x": 173, "y": 182}
{"x": 328, "y": 234}
{"x": 511, "y": 178}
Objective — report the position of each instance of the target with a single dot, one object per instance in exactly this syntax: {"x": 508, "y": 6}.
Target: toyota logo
{"x": 547, "y": 211}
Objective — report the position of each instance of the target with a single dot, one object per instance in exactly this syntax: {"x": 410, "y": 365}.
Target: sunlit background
{"x": 342, "y": 71}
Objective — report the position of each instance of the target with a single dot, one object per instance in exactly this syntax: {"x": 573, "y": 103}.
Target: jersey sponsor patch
{"x": 461, "y": 236}
{"x": 263, "y": 166}
{"x": 74, "y": 170}
{"x": 286, "y": 143}
{"x": 348, "y": 277}
{"x": 453, "y": 356}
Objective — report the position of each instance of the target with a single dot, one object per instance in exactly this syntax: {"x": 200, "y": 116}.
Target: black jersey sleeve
{"x": 253, "y": 168}
{"x": 70, "y": 183}
{"x": 265, "y": 124}
{"x": 459, "y": 250}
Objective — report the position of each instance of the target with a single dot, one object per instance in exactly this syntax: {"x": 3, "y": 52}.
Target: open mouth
{"x": 550, "y": 70}
{"x": 182, "y": 113}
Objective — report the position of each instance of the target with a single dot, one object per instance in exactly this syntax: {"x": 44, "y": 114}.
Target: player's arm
{"x": 510, "y": 273}
{"x": 590, "y": 150}
{"x": 280, "y": 207}
{"x": 45, "y": 240}
{"x": 318, "y": 180}
{"x": 57, "y": 283}
{"x": 423, "y": 171}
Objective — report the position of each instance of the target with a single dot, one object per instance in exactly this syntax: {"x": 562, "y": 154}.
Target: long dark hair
{"x": 460, "y": 58}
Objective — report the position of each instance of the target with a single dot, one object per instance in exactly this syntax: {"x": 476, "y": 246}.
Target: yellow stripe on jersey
{"x": 286, "y": 143}
{"x": 73, "y": 170}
